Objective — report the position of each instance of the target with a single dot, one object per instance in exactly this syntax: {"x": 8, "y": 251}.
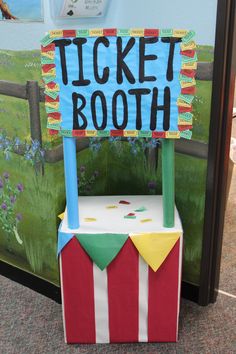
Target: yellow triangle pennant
{"x": 155, "y": 247}
{"x": 61, "y": 216}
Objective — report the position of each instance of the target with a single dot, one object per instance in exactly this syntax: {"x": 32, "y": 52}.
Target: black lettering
{"x": 99, "y": 94}
{"x": 79, "y": 43}
{"x": 121, "y": 65}
{"x": 138, "y": 95}
{"x": 142, "y": 58}
{"x": 77, "y": 111}
{"x": 172, "y": 41}
{"x": 62, "y": 43}
{"x": 165, "y": 108}
{"x": 105, "y": 75}
{"x": 123, "y": 125}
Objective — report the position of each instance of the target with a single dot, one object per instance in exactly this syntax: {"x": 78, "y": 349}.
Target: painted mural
{"x": 32, "y": 191}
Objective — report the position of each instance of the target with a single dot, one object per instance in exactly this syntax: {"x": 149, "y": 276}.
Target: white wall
{"x": 199, "y": 15}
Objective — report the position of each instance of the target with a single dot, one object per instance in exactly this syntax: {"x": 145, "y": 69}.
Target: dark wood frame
{"x": 218, "y": 153}
{"x": 219, "y": 141}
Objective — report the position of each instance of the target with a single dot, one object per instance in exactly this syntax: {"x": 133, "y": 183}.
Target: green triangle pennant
{"x": 102, "y": 248}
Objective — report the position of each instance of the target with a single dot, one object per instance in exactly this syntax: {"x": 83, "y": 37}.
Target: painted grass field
{"x": 115, "y": 168}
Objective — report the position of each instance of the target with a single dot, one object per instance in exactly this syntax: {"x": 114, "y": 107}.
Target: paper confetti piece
{"x": 48, "y": 79}
{"x": 46, "y": 40}
{"x": 111, "y": 207}
{"x": 166, "y": 32}
{"x": 54, "y": 126}
{"x": 82, "y": 33}
{"x": 142, "y": 208}
{"x": 185, "y": 78}
{"x": 144, "y": 134}
{"x": 51, "y": 94}
{"x": 53, "y": 121}
{"x": 90, "y": 219}
{"x": 94, "y": 32}
{"x": 109, "y": 32}
{"x": 46, "y": 61}
{"x": 50, "y": 54}
{"x": 69, "y": 33}
{"x": 48, "y": 48}
{"x": 188, "y": 37}
{"x": 123, "y": 32}
{"x": 91, "y": 133}
{"x": 131, "y": 133}
{"x": 51, "y": 72}
{"x": 191, "y": 90}
{"x": 188, "y": 53}
{"x": 66, "y": 132}
{"x": 129, "y": 217}
{"x": 61, "y": 216}
{"x": 131, "y": 214}
{"x": 56, "y": 33}
{"x": 190, "y": 65}
{"x": 186, "y": 98}
{"x": 182, "y": 103}
{"x": 183, "y": 122}
{"x": 189, "y": 83}
{"x": 151, "y": 32}
{"x": 137, "y": 32}
{"x": 186, "y": 134}
{"x": 186, "y": 116}
{"x": 172, "y": 135}
{"x": 50, "y": 110}
{"x": 124, "y": 202}
{"x": 179, "y": 33}
{"x": 145, "y": 220}
{"x": 103, "y": 133}
{"x": 186, "y": 59}
{"x": 182, "y": 109}
{"x": 54, "y": 105}
{"x": 188, "y": 46}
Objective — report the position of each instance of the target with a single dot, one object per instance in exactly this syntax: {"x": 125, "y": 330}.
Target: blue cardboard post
{"x": 70, "y": 170}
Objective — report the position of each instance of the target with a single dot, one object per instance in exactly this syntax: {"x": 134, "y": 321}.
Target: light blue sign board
{"x": 107, "y": 57}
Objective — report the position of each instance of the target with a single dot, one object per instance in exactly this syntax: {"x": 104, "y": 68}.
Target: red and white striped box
{"x": 125, "y": 302}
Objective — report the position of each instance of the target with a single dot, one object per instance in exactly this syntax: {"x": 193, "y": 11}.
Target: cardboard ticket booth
{"x": 120, "y": 256}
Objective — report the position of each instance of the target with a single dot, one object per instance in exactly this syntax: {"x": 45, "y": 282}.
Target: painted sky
{"x": 199, "y": 15}
{"x": 26, "y": 9}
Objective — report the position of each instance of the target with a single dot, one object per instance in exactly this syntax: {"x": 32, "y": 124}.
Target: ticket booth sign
{"x": 119, "y": 82}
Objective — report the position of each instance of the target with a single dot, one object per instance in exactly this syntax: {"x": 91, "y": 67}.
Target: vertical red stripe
{"x": 123, "y": 295}
{"x": 163, "y": 299}
{"x": 78, "y": 292}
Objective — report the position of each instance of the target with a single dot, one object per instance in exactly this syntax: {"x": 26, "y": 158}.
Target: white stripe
{"x": 143, "y": 300}
{"x": 62, "y": 298}
{"x": 101, "y": 305}
{"x": 179, "y": 282}
{"x": 227, "y": 294}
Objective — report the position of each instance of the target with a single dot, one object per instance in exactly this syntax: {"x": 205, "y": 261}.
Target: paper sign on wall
{"x": 83, "y": 8}
{"x": 104, "y": 82}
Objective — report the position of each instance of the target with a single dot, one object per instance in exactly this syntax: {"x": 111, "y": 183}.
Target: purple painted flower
{"x": 20, "y": 187}
{"x": 1, "y": 183}
{"x": 152, "y": 185}
{"x": 96, "y": 173}
{"x": 13, "y": 199}
{"x": 18, "y": 217}
{"x": 6, "y": 175}
{"x": 4, "y": 206}
{"x": 82, "y": 169}
{"x": 88, "y": 188}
